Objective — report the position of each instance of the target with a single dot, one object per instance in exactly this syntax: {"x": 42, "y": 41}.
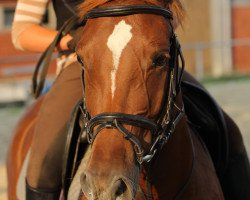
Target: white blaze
{"x": 117, "y": 41}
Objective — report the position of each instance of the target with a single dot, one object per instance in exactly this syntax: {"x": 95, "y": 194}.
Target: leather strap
{"x": 115, "y": 11}
{"x": 44, "y": 61}
{"x": 41, "y": 194}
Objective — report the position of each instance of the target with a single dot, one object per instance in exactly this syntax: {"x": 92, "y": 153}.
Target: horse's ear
{"x": 177, "y": 8}
{"x": 76, "y": 35}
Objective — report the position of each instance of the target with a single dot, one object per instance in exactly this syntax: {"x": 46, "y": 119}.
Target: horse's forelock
{"x": 88, "y": 5}
{"x": 178, "y": 11}
{"x": 175, "y": 6}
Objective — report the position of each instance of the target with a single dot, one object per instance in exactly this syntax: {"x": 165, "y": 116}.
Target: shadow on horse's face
{"x": 126, "y": 65}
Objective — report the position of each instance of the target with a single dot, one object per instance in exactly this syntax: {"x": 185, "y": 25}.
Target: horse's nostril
{"x": 83, "y": 179}
{"x": 120, "y": 187}
{"x": 84, "y": 183}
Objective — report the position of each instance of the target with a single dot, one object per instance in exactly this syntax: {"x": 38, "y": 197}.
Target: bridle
{"x": 171, "y": 114}
{"x": 163, "y": 128}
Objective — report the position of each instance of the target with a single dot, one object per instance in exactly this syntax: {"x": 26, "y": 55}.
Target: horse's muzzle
{"x": 105, "y": 188}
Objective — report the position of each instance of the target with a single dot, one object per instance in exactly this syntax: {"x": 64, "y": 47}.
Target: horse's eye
{"x": 79, "y": 60}
{"x": 160, "y": 60}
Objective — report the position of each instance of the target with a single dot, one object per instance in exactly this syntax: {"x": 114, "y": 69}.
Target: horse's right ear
{"x": 76, "y": 35}
{"x": 177, "y": 8}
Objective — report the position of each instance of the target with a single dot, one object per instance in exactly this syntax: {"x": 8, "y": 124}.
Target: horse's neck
{"x": 173, "y": 165}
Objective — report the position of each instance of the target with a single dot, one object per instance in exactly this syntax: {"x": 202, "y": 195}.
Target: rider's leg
{"x": 45, "y": 164}
{"x": 237, "y": 177}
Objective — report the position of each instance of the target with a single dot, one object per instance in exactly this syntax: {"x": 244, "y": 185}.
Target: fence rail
{"x": 199, "y": 48}
{"x": 13, "y": 65}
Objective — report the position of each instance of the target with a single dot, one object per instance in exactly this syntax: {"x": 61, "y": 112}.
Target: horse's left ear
{"x": 177, "y": 8}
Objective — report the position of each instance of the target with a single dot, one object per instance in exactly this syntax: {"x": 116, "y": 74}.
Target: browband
{"x": 115, "y": 11}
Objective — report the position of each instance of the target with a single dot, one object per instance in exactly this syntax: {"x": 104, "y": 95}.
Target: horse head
{"x": 128, "y": 76}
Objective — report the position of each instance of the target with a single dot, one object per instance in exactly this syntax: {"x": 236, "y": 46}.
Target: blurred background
{"x": 215, "y": 39}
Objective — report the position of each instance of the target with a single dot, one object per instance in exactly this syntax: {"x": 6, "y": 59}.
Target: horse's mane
{"x": 174, "y": 5}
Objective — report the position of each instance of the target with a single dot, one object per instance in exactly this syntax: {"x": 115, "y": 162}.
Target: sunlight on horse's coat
{"x": 75, "y": 187}
{"x": 20, "y": 189}
{"x": 117, "y": 41}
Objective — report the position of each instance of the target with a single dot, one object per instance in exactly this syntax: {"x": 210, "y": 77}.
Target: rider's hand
{"x": 63, "y": 45}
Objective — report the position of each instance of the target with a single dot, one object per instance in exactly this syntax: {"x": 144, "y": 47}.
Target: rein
{"x": 42, "y": 66}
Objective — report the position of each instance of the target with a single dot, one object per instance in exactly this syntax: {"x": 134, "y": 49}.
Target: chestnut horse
{"x": 141, "y": 144}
